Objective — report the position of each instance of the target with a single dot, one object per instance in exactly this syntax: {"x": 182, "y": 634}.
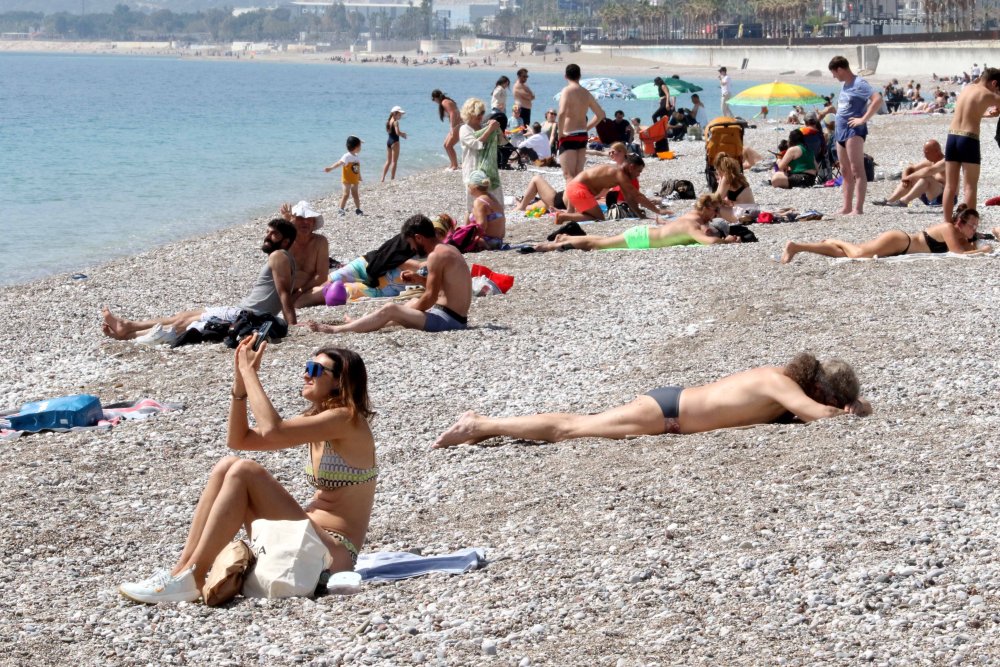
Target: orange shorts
{"x": 580, "y": 196}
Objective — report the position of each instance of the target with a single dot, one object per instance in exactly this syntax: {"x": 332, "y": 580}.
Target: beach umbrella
{"x": 647, "y": 91}
{"x": 604, "y": 88}
{"x": 776, "y": 94}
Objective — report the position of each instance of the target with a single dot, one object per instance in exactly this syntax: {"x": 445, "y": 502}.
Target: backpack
{"x": 465, "y": 238}
{"x": 620, "y": 211}
{"x": 682, "y": 189}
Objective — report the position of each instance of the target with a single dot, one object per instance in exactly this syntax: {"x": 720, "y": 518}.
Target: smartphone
{"x": 262, "y": 335}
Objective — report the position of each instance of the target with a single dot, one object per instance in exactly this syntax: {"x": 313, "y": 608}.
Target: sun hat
{"x": 305, "y": 210}
{"x": 397, "y": 108}
{"x": 478, "y": 177}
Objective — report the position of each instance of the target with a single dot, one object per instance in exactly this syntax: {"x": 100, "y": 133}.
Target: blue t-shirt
{"x": 853, "y": 101}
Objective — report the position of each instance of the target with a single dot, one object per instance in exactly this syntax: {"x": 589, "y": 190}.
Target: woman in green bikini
{"x": 341, "y": 468}
{"x": 689, "y": 229}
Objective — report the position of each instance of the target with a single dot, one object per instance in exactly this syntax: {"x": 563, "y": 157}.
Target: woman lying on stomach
{"x": 805, "y": 389}
{"x": 341, "y": 465}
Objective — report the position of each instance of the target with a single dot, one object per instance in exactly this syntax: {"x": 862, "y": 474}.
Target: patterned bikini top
{"x": 334, "y": 472}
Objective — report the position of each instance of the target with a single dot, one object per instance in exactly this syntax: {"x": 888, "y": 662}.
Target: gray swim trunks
{"x": 443, "y": 318}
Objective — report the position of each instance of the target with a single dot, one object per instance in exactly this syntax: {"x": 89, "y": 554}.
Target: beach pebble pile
{"x": 847, "y": 541}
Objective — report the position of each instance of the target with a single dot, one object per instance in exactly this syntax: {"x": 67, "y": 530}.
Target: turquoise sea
{"x": 110, "y": 155}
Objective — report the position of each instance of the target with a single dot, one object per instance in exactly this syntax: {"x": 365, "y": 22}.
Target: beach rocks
{"x": 841, "y": 541}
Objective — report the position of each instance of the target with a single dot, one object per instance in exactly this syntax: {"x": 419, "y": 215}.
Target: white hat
{"x": 396, "y": 108}
{"x": 305, "y": 210}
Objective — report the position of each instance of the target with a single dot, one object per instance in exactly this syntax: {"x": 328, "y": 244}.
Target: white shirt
{"x": 350, "y": 158}
{"x": 724, "y": 84}
{"x": 499, "y": 99}
{"x": 701, "y": 116}
{"x": 540, "y": 144}
{"x": 976, "y": 72}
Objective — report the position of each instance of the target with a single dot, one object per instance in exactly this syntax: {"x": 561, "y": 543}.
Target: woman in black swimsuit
{"x": 958, "y": 237}
{"x": 733, "y": 188}
{"x": 392, "y": 143}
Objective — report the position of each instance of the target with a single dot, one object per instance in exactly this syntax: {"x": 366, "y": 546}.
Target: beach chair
{"x": 654, "y": 138}
{"x": 722, "y": 135}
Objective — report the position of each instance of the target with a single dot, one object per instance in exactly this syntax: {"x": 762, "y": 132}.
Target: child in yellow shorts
{"x": 350, "y": 174}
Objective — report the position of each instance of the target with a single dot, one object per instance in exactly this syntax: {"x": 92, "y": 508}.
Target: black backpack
{"x": 681, "y": 188}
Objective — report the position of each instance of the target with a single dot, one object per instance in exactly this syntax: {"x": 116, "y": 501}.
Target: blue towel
{"x": 393, "y": 565}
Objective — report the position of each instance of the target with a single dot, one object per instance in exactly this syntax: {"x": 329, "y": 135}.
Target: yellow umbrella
{"x": 776, "y": 94}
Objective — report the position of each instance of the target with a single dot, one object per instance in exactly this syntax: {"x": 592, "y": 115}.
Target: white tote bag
{"x": 290, "y": 558}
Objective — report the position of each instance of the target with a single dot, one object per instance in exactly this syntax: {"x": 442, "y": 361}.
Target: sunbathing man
{"x": 961, "y": 151}
{"x": 311, "y": 251}
{"x": 445, "y": 303}
{"x": 925, "y": 180}
{"x": 805, "y": 389}
{"x": 691, "y": 228}
{"x": 574, "y": 130}
{"x": 581, "y": 192}
{"x": 271, "y": 294}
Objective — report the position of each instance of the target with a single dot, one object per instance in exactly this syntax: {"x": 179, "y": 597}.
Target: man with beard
{"x": 271, "y": 294}
{"x": 445, "y": 303}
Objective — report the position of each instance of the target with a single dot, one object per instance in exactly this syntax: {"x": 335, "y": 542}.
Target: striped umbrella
{"x": 604, "y": 88}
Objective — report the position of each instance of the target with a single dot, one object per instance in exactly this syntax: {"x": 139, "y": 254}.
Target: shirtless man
{"x": 444, "y": 305}
{"x": 310, "y": 250}
{"x": 523, "y": 96}
{"x": 961, "y": 151}
{"x": 574, "y": 103}
{"x": 805, "y": 389}
{"x": 581, "y": 191}
{"x": 692, "y": 227}
{"x": 924, "y": 179}
{"x": 271, "y": 294}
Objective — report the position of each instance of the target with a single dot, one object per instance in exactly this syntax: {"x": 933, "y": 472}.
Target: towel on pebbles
{"x": 916, "y": 257}
{"x": 394, "y": 565}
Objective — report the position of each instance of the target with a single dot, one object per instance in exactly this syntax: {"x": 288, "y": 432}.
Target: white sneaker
{"x": 163, "y": 587}
{"x": 158, "y": 336}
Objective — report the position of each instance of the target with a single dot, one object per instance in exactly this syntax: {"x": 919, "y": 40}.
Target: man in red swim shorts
{"x": 581, "y": 192}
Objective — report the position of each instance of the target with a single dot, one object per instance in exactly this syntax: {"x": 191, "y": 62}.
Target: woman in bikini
{"x": 487, "y": 212}
{"x": 804, "y": 389}
{"x": 734, "y": 188}
{"x": 958, "y": 237}
{"x": 341, "y": 466}
{"x": 447, "y": 107}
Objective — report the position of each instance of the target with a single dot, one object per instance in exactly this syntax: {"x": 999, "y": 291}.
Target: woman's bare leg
{"x": 201, "y": 511}
{"x": 640, "y": 417}
{"x": 449, "y": 147}
{"x": 395, "y": 160}
{"x": 247, "y": 491}
{"x": 388, "y": 162}
{"x": 886, "y": 244}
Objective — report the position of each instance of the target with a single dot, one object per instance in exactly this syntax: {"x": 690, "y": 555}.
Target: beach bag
{"x": 743, "y": 233}
{"x": 225, "y": 579}
{"x": 501, "y": 281}
{"x": 680, "y": 188}
{"x": 290, "y": 558}
{"x": 620, "y": 211}
{"x": 64, "y": 412}
{"x": 869, "y": 168}
{"x": 465, "y": 238}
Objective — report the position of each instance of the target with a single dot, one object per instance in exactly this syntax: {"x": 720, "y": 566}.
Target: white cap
{"x": 396, "y": 108}
{"x": 305, "y": 210}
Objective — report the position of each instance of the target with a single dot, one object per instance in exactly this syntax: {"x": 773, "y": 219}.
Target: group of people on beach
{"x": 335, "y": 427}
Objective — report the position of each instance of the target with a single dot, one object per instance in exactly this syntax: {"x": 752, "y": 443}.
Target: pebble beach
{"x": 845, "y": 541}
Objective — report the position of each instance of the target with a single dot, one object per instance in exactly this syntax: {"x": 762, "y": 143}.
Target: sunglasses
{"x": 314, "y": 369}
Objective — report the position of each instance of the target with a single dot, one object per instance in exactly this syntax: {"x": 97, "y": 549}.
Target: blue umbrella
{"x": 602, "y": 87}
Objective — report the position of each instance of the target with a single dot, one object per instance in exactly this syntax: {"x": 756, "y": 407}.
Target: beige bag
{"x": 290, "y": 558}
{"x": 225, "y": 579}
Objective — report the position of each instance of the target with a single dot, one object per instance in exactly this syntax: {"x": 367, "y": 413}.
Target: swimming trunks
{"x": 346, "y": 543}
{"x": 637, "y": 238}
{"x": 443, "y": 318}
{"x": 580, "y": 196}
{"x": 669, "y": 400}
{"x": 558, "y": 202}
{"x": 574, "y": 141}
{"x": 962, "y": 147}
{"x": 934, "y": 245}
{"x": 801, "y": 180}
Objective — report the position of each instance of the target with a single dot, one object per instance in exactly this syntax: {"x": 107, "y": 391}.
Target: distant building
{"x": 237, "y": 11}
{"x": 465, "y": 12}
{"x": 455, "y": 12}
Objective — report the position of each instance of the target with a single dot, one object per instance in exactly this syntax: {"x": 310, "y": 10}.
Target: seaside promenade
{"x": 837, "y": 542}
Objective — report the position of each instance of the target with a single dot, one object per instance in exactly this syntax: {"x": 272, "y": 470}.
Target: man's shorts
{"x": 443, "y": 318}
{"x": 580, "y": 196}
{"x": 575, "y": 141}
{"x": 224, "y": 313}
{"x": 962, "y": 147}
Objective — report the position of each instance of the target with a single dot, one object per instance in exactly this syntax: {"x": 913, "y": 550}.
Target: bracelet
{"x": 237, "y": 398}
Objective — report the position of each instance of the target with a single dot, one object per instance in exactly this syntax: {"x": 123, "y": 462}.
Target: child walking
{"x": 350, "y": 174}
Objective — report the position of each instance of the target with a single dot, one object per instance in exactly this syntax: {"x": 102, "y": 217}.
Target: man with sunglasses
{"x": 445, "y": 303}
{"x": 271, "y": 294}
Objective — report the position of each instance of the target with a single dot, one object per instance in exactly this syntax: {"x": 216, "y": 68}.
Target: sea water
{"x": 104, "y": 156}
